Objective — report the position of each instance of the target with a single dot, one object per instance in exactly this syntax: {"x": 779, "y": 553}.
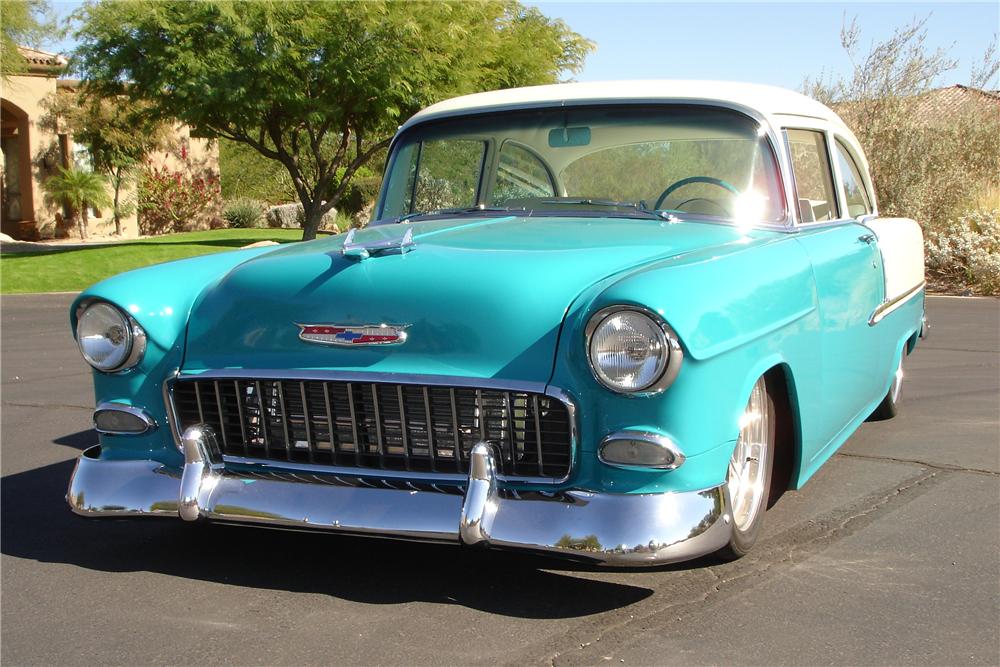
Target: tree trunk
{"x": 312, "y": 219}
{"x": 83, "y": 222}
{"x": 118, "y": 186}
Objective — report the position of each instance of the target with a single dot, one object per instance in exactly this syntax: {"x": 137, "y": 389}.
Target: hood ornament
{"x": 362, "y": 250}
{"x": 353, "y": 335}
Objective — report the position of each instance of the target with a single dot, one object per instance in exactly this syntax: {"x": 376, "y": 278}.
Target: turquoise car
{"x": 612, "y": 322}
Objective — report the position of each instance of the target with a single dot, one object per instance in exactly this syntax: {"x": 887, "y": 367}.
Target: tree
{"x": 22, "y": 23}
{"x": 79, "y": 190}
{"x": 119, "y": 136}
{"x": 927, "y": 163}
{"x": 318, "y": 86}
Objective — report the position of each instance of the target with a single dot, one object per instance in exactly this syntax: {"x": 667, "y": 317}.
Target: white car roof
{"x": 768, "y": 101}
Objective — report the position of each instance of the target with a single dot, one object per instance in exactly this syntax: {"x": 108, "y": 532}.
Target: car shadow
{"x": 38, "y": 525}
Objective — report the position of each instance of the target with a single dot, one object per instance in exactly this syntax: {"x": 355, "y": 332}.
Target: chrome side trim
{"x": 890, "y": 305}
{"x": 139, "y": 413}
{"x": 675, "y": 354}
{"x": 657, "y": 439}
{"x": 386, "y": 378}
{"x": 614, "y": 529}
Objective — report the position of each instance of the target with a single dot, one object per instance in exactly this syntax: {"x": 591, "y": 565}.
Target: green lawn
{"x": 74, "y": 269}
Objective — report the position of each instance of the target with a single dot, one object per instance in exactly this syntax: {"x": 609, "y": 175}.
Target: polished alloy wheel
{"x": 897, "y": 382}
{"x": 747, "y": 478}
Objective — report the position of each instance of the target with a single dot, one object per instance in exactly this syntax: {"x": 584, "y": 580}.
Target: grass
{"x": 74, "y": 269}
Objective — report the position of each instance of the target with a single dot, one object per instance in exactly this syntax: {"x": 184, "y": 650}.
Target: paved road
{"x": 888, "y": 556}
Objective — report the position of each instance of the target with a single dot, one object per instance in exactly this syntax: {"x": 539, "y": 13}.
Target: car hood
{"x": 483, "y": 298}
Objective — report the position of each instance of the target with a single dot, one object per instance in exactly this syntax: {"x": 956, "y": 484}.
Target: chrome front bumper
{"x": 615, "y": 529}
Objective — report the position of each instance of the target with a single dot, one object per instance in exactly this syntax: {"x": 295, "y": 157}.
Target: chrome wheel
{"x": 747, "y": 480}
{"x": 889, "y": 406}
{"x": 897, "y": 382}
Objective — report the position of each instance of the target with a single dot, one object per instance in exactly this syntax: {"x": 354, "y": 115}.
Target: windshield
{"x": 619, "y": 161}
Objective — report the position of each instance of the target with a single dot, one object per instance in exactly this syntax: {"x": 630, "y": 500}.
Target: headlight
{"x": 632, "y": 350}
{"x": 109, "y": 339}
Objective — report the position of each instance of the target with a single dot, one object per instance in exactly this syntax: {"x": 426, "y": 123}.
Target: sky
{"x": 773, "y": 43}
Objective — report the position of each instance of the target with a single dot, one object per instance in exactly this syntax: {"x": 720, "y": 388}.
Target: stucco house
{"x": 34, "y": 150}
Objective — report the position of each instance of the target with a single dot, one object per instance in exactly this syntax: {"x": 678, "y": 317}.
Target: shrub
{"x": 244, "y": 213}
{"x": 965, "y": 252}
{"x": 172, "y": 201}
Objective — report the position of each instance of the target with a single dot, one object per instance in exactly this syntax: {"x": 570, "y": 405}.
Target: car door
{"x": 847, "y": 268}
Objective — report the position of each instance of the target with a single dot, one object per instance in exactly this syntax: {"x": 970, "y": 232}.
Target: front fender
{"x": 159, "y": 298}
{"x": 738, "y": 310}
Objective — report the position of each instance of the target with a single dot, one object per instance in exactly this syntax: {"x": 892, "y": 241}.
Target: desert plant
{"x": 79, "y": 190}
{"x": 929, "y": 161}
{"x": 173, "y": 201}
{"x": 966, "y": 251}
{"x": 244, "y": 213}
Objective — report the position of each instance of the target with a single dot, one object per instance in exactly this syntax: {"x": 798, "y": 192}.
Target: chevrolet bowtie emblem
{"x": 350, "y": 335}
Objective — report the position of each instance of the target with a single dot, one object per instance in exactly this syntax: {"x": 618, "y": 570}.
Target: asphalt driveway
{"x": 888, "y": 556}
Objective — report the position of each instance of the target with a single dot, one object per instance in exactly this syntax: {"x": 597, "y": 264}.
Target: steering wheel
{"x": 688, "y": 181}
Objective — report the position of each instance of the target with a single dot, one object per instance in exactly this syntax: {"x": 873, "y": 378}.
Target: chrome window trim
{"x": 386, "y": 378}
{"x": 675, "y": 356}
{"x": 771, "y": 133}
{"x": 826, "y": 134}
{"x": 645, "y": 436}
{"x": 139, "y": 413}
{"x": 839, "y": 142}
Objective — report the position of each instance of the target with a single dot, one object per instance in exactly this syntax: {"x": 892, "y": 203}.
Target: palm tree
{"x": 78, "y": 189}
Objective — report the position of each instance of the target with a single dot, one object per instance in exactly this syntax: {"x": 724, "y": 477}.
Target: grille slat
{"x": 380, "y": 426}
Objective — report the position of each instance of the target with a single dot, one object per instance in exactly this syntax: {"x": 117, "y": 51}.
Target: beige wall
{"x": 28, "y": 92}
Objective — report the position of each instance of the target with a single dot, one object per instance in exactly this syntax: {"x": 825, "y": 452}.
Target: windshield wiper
{"x": 448, "y": 211}
{"x": 638, "y": 207}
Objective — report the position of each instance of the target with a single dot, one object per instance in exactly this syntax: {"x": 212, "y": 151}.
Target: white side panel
{"x": 902, "y": 245}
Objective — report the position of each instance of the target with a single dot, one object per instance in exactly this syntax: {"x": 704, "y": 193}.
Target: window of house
{"x": 855, "y": 195}
{"x": 816, "y": 196}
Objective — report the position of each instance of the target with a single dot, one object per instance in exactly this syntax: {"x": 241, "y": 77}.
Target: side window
{"x": 858, "y": 202}
{"x": 439, "y": 173}
{"x": 520, "y": 175}
{"x": 813, "y": 176}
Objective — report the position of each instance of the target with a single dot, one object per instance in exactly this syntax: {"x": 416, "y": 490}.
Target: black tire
{"x": 889, "y": 407}
{"x": 744, "y": 537}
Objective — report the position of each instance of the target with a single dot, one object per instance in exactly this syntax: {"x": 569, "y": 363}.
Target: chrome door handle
{"x": 868, "y": 238}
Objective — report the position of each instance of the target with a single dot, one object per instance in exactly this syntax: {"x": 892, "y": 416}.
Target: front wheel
{"x": 748, "y": 481}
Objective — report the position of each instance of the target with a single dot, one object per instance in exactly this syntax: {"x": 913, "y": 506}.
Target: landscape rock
{"x": 290, "y": 216}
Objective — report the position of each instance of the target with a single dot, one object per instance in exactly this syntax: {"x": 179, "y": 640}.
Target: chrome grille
{"x": 381, "y": 426}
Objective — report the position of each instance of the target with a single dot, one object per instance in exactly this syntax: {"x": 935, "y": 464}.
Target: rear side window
{"x": 858, "y": 202}
{"x": 813, "y": 176}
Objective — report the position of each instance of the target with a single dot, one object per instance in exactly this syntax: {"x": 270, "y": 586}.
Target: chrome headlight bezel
{"x": 135, "y": 338}
{"x": 668, "y": 338}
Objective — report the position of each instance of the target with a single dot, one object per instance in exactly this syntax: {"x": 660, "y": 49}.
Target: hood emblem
{"x": 348, "y": 336}
{"x": 360, "y": 251}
